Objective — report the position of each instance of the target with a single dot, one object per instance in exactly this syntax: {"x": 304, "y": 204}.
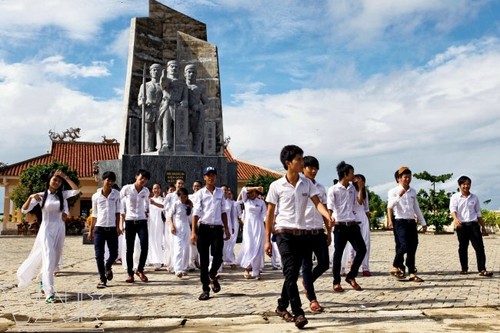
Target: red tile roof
{"x": 77, "y": 155}
{"x": 246, "y": 170}
{"x": 80, "y": 157}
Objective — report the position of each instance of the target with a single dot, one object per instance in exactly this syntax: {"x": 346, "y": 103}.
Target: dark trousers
{"x": 210, "y": 241}
{"x": 316, "y": 244}
{"x": 292, "y": 250}
{"x": 341, "y": 235}
{"x": 139, "y": 228}
{"x": 102, "y": 237}
{"x": 471, "y": 232}
{"x": 407, "y": 235}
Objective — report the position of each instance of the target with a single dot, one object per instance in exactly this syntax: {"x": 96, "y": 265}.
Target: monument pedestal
{"x": 163, "y": 167}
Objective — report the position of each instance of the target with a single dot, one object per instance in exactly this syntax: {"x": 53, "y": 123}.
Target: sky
{"x": 379, "y": 84}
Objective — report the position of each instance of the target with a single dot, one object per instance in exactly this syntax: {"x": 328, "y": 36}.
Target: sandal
{"x": 354, "y": 284}
{"x": 415, "y": 278}
{"x": 246, "y": 274}
{"x": 485, "y": 273}
{"x": 400, "y": 275}
{"x": 285, "y": 315}
{"x": 50, "y": 299}
{"x": 315, "y": 307}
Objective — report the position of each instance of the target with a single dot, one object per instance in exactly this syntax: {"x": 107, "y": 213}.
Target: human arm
{"x": 31, "y": 202}
{"x": 269, "y": 228}
{"x": 323, "y": 210}
{"x": 194, "y": 229}
{"x": 171, "y": 219}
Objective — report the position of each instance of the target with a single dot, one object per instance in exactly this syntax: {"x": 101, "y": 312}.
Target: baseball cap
{"x": 209, "y": 169}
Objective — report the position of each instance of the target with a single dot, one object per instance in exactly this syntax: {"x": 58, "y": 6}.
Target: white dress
{"x": 168, "y": 240}
{"x": 180, "y": 241}
{"x": 49, "y": 243}
{"x": 252, "y": 247}
{"x": 156, "y": 232}
{"x": 232, "y": 209}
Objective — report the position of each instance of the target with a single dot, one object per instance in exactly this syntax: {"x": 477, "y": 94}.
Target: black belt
{"x": 299, "y": 232}
{"x": 406, "y": 220}
{"x": 136, "y": 221}
{"x": 348, "y": 223}
{"x": 468, "y": 222}
{"x": 211, "y": 226}
{"x": 105, "y": 228}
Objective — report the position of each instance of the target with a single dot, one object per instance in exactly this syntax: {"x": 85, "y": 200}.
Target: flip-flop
{"x": 285, "y": 315}
{"x": 316, "y": 307}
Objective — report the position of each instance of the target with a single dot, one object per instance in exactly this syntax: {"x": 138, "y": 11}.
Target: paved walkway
{"x": 169, "y": 298}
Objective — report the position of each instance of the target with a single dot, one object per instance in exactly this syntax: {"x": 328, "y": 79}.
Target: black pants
{"x": 407, "y": 235}
{"x": 471, "y": 232}
{"x": 103, "y": 236}
{"x": 316, "y": 244}
{"x": 343, "y": 234}
{"x": 292, "y": 250}
{"x": 210, "y": 241}
{"x": 139, "y": 228}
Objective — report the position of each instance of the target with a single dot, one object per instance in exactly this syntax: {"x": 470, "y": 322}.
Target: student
{"x": 233, "y": 224}
{"x": 403, "y": 202}
{"x": 104, "y": 228}
{"x": 194, "y": 261}
{"x": 180, "y": 213}
{"x": 170, "y": 199}
{"x": 136, "y": 202}
{"x": 469, "y": 223}
{"x": 291, "y": 194}
{"x": 209, "y": 230}
{"x": 251, "y": 256}
{"x": 395, "y": 271}
{"x": 362, "y": 212}
{"x": 341, "y": 200}
{"x": 317, "y": 241}
{"x": 49, "y": 242}
{"x": 156, "y": 228}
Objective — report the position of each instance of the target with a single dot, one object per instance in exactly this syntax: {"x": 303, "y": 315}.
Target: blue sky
{"x": 378, "y": 83}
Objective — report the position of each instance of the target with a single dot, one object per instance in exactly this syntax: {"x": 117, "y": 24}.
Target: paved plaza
{"x": 445, "y": 300}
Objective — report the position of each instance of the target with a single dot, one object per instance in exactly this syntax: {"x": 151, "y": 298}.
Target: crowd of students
{"x": 299, "y": 220}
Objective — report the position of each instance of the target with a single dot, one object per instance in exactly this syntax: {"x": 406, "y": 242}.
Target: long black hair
{"x": 356, "y": 185}
{"x": 59, "y": 192}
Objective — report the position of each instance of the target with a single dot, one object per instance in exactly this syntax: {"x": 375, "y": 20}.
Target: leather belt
{"x": 211, "y": 226}
{"x": 136, "y": 221}
{"x": 298, "y": 232}
{"x": 468, "y": 222}
{"x": 406, "y": 220}
{"x": 347, "y": 223}
{"x": 104, "y": 228}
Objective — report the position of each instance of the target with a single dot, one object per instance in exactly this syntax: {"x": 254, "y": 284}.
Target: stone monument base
{"x": 165, "y": 169}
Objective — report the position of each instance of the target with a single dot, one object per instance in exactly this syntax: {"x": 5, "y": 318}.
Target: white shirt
{"x": 405, "y": 206}
{"x": 292, "y": 201}
{"x": 178, "y": 212}
{"x": 209, "y": 206}
{"x": 169, "y": 202}
{"x": 466, "y": 207}
{"x": 51, "y": 210}
{"x": 136, "y": 203}
{"x": 105, "y": 209}
{"x": 340, "y": 200}
{"x": 314, "y": 220}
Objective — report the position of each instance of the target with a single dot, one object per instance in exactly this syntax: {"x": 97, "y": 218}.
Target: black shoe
{"x": 204, "y": 296}
{"x": 214, "y": 283}
{"x": 301, "y": 321}
{"x": 109, "y": 275}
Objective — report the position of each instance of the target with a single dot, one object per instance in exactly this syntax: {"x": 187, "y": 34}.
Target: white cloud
{"x": 80, "y": 20}
{"x": 442, "y": 118}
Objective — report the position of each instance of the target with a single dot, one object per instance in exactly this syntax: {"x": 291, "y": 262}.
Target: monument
{"x": 172, "y": 122}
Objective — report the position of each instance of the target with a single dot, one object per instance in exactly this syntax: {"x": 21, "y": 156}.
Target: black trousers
{"x": 471, "y": 232}
{"x": 103, "y": 236}
{"x": 407, "y": 235}
{"x": 343, "y": 234}
{"x": 316, "y": 244}
{"x": 210, "y": 241}
{"x": 139, "y": 228}
{"x": 292, "y": 250}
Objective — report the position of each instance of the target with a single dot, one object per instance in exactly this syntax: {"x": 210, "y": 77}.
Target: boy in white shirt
{"x": 403, "y": 202}
{"x": 466, "y": 212}
{"x": 291, "y": 193}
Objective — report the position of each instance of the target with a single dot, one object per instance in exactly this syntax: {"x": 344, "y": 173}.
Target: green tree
{"x": 434, "y": 204}
{"x": 377, "y": 208}
{"x": 34, "y": 179}
{"x": 263, "y": 180}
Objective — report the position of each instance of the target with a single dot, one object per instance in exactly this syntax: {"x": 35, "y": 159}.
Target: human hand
{"x": 268, "y": 248}
{"x": 36, "y": 196}
{"x": 457, "y": 222}
{"x": 90, "y": 235}
{"x": 424, "y": 229}
{"x": 328, "y": 238}
{"x": 401, "y": 192}
{"x": 483, "y": 231}
{"x": 194, "y": 238}
{"x": 228, "y": 235}
{"x": 172, "y": 229}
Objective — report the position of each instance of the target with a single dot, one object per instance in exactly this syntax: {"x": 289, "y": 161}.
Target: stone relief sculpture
{"x": 150, "y": 99}
{"x": 197, "y": 103}
{"x": 175, "y": 100}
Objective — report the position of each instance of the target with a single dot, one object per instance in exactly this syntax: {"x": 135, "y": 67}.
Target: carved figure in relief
{"x": 197, "y": 103}
{"x": 150, "y": 97}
